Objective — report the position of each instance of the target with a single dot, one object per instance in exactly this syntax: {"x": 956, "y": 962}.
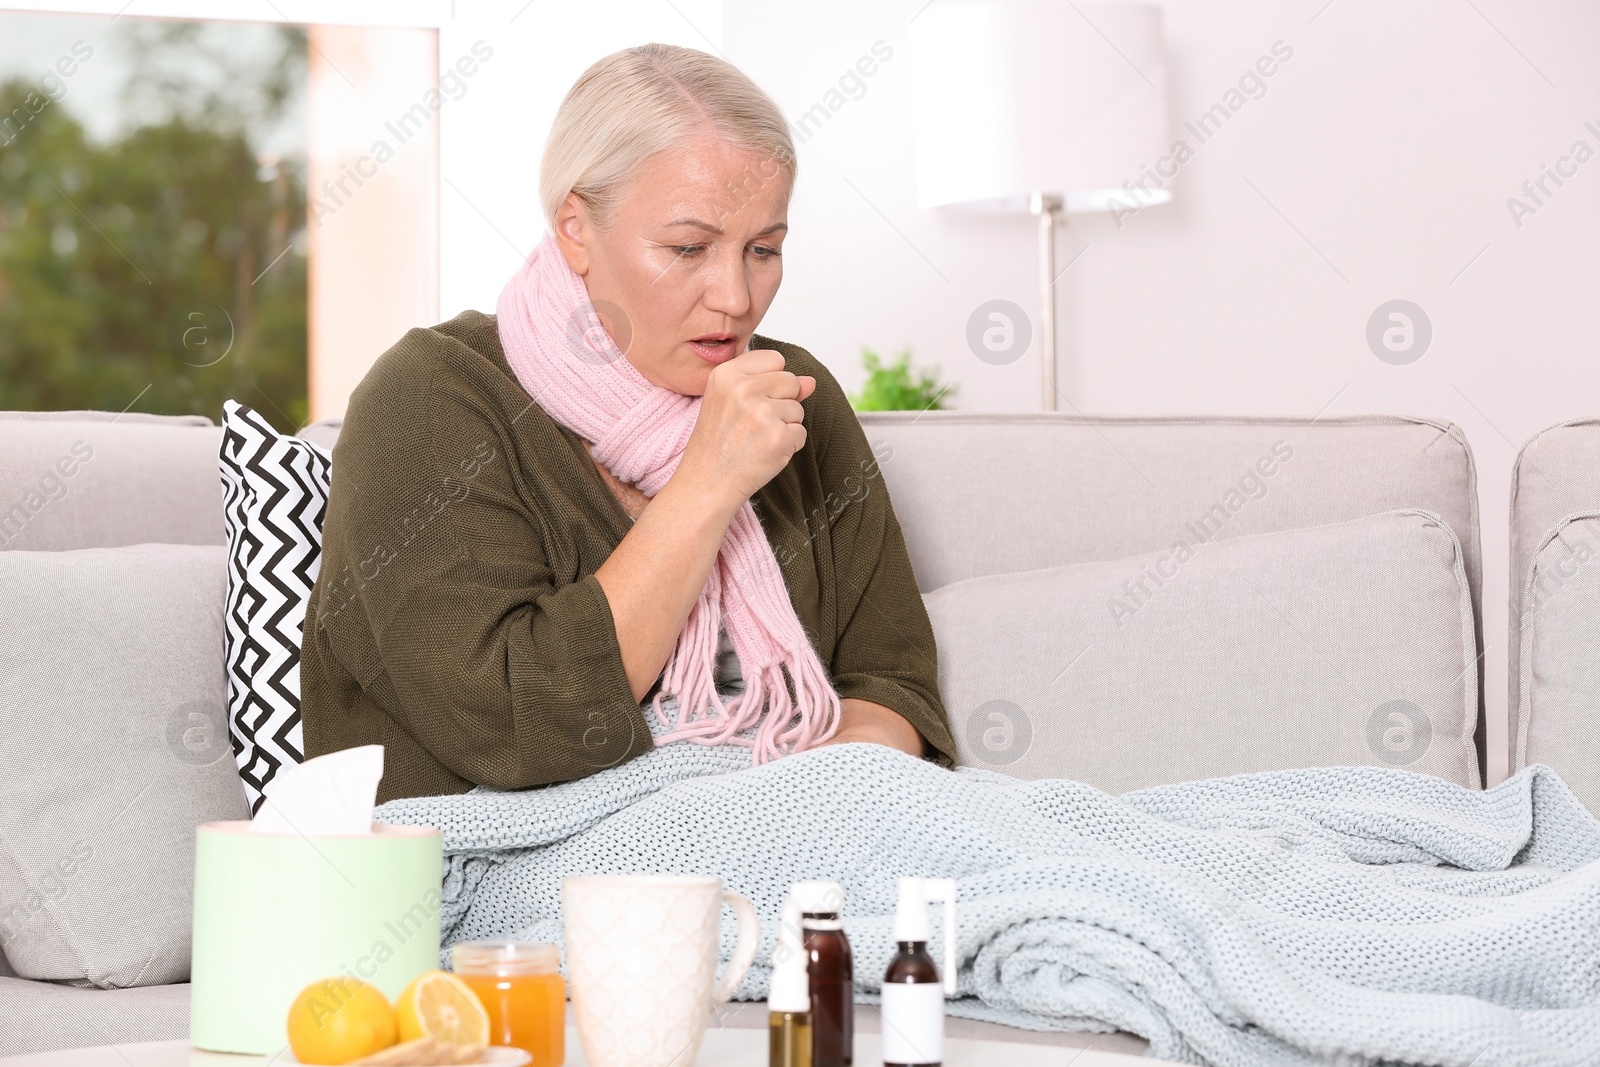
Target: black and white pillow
{"x": 275, "y": 495}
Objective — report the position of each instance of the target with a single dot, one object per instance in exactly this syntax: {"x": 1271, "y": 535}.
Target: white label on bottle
{"x": 913, "y": 1023}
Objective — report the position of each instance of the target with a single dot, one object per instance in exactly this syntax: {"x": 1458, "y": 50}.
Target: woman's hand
{"x": 749, "y": 425}
{"x": 863, "y": 720}
{"x": 748, "y": 428}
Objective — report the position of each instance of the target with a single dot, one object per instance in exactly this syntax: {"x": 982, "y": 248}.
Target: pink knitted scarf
{"x": 569, "y": 364}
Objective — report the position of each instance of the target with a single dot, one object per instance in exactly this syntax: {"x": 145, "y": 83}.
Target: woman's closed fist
{"x": 750, "y": 423}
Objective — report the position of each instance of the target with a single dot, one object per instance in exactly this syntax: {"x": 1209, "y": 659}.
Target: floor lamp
{"x": 1045, "y": 106}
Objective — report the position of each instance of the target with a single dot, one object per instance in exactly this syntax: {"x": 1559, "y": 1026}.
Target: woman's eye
{"x": 688, "y": 250}
{"x": 763, "y": 252}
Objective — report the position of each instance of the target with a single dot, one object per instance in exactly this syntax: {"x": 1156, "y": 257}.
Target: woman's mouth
{"x": 715, "y": 347}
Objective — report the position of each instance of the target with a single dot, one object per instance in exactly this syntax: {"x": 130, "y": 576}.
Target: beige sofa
{"x": 978, "y": 496}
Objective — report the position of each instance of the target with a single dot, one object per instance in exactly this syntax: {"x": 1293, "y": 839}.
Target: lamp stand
{"x": 1047, "y": 206}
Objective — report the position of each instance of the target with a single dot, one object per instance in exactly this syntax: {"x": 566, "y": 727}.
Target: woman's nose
{"x": 727, "y": 287}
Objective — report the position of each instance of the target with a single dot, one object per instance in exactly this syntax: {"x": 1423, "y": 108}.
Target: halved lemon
{"x": 439, "y": 1005}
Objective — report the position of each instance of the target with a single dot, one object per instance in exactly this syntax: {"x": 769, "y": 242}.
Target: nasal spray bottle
{"x": 789, "y": 1035}
{"x": 913, "y": 998}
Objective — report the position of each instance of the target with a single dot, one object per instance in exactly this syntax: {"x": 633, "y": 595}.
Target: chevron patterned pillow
{"x": 275, "y": 494}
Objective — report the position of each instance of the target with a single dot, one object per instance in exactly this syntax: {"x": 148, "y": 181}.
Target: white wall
{"x": 1377, "y": 166}
{"x": 492, "y": 137}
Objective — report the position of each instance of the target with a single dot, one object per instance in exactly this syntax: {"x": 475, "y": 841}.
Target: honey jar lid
{"x": 505, "y": 957}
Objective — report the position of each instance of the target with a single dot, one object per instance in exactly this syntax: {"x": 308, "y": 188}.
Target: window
{"x": 192, "y": 211}
{"x": 152, "y": 216}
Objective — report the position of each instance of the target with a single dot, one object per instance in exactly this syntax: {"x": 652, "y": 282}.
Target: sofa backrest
{"x": 1554, "y": 611}
{"x": 985, "y": 494}
{"x": 323, "y": 433}
{"x": 100, "y": 479}
{"x": 980, "y": 494}
{"x": 976, "y": 494}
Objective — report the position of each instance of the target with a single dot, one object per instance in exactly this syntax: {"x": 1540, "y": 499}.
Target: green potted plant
{"x": 895, "y": 387}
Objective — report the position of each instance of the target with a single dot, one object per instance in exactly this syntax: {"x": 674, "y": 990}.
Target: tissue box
{"x": 276, "y": 912}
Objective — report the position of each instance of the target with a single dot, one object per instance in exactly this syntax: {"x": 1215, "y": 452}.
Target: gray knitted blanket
{"x": 1335, "y": 915}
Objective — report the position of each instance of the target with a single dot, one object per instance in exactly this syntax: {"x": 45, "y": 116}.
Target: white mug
{"x": 642, "y": 960}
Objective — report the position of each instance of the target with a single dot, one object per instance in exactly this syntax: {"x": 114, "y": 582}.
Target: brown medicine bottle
{"x": 830, "y": 973}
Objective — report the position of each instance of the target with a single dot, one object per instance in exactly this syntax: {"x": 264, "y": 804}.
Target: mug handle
{"x": 744, "y": 949}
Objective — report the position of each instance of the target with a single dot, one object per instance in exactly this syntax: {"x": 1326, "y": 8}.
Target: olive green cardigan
{"x": 456, "y": 619}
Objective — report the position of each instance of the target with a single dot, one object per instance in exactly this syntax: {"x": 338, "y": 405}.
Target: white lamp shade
{"x": 1023, "y": 96}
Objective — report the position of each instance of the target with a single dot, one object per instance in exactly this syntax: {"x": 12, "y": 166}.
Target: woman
{"x": 612, "y": 515}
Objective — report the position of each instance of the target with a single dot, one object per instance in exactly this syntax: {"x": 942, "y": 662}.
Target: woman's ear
{"x": 573, "y": 234}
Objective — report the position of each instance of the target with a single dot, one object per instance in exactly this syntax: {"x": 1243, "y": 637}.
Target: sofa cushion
{"x": 275, "y": 498}
{"x": 116, "y": 748}
{"x": 45, "y": 1016}
{"x": 97, "y": 479}
{"x": 1559, "y": 717}
{"x": 1349, "y": 643}
{"x": 981, "y": 494}
{"x": 1556, "y": 476}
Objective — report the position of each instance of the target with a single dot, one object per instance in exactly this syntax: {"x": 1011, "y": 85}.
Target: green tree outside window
{"x": 165, "y": 266}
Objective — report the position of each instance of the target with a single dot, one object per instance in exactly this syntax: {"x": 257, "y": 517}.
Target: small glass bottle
{"x": 521, "y": 987}
{"x": 830, "y": 970}
{"x": 789, "y": 1020}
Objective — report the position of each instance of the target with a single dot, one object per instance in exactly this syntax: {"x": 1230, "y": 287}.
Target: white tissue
{"x": 331, "y": 794}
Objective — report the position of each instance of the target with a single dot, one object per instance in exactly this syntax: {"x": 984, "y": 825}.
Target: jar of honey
{"x": 521, "y": 987}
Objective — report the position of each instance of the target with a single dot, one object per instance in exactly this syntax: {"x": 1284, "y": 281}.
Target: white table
{"x": 723, "y": 1047}
{"x": 736, "y": 1036}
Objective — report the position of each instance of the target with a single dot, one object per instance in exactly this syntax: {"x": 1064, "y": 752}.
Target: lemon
{"x": 439, "y": 1005}
{"x": 338, "y": 1020}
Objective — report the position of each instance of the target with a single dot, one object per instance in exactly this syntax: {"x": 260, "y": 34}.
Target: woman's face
{"x": 691, "y": 260}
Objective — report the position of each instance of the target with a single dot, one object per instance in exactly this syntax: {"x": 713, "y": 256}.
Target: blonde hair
{"x": 639, "y": 101}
